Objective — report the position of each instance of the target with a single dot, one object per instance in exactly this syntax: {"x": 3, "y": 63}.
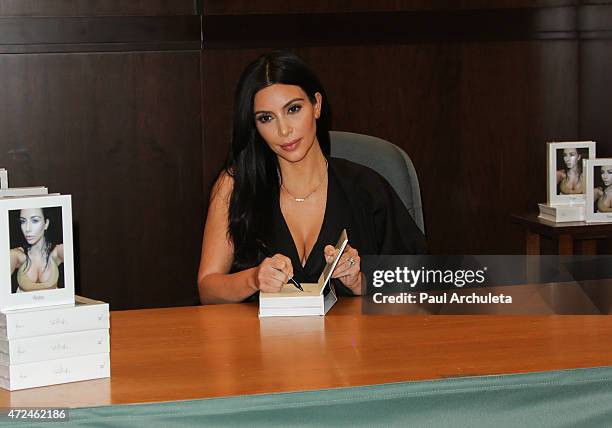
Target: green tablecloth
{"x": 581, "y": 397}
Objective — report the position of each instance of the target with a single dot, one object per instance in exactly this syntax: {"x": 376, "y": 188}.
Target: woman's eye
{"x": 264, "y": 118}
{"x": 22, "y": 221}
{"x": 294, "y": 108}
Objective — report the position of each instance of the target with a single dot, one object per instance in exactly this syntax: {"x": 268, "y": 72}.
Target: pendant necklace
{"x": 302, "y": 199}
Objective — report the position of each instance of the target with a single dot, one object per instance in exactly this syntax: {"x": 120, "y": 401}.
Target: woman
{"x": 603, "y": 197}
{"x": 37, "y": 261}
{"x": 280, "y": 193}
{"x": 570, "y": 179}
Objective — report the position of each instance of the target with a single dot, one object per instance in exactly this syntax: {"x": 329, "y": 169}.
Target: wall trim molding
{"x": 193, "y": 32}
{"x": 108, "y": 33}
{"x": 220, "y": 31}
{"x": 405, "y": 27}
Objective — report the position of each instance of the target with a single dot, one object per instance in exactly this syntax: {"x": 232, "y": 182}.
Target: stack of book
{"x": 47, "y": 334}
{"x": 54, "y": 344}
{"x": 12, "y": 192}
{"x": 562, "y": 213}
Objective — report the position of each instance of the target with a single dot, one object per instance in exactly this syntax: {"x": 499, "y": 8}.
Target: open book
{"x": 316, "y": 299}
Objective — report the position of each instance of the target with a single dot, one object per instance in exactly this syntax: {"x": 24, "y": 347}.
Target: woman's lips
{"x": 289, "y": 147}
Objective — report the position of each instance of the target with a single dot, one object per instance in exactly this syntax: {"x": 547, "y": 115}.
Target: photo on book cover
{"x": 38, "y": 267}
{"x": 599, "y": 190}
{"x": 565, "y": 175}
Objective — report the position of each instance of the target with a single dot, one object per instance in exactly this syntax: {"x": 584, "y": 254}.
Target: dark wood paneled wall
{"x": 237, "y": 7}
{"x": 123, "y": 105}
{"x": 596, "y": 76}
{"x": 473, "y": 118}
{"x": 97, "y": 7}
{"x": 108, "y": 109}
{"x": 471, "y": 94}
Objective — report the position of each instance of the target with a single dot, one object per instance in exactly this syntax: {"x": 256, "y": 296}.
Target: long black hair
{"x": 251, "y": 163}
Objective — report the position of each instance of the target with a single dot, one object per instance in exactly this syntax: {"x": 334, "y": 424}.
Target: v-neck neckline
{"x": 293, "y": 248}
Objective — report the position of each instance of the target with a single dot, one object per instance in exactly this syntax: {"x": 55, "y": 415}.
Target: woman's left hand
{"x": 348, "y": 268}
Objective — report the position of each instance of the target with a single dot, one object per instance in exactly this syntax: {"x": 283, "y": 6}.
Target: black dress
{"x": 362, "y": 202}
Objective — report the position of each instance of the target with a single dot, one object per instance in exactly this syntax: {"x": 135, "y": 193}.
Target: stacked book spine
{"x": 54, "y": 344}
{"x": 562, "y": 213}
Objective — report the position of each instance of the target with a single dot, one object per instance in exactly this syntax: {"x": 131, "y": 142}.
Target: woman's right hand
{"x": 273, "y": 272}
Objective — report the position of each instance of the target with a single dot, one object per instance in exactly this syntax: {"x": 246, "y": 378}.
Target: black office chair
{"x": 388, "y": 160}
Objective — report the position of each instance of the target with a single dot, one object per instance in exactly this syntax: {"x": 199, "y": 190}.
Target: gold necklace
{"x": 313, "y": 190}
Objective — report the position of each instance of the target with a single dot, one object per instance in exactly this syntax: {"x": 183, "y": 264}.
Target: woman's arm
{"x": 17, "y": 259}
{"x": 597, "y": 193}
{"x": 215, "y": 284}
{"x": 58, "y": 254}
{"x": 560, "y": 176}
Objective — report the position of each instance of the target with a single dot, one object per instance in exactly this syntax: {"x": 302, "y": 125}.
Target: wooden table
{"x": 566, "y": 234}
{"x": 212, "y": 351}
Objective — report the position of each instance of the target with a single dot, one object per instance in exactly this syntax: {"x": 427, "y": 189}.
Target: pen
{"x": 269, "y": 254}
{"x": 296, "y": 284}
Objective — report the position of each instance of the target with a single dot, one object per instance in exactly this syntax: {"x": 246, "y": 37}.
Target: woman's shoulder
{"x": 19, "y": 254}
{"x": 57, "y": 251}
{"x": 223, "y": 186}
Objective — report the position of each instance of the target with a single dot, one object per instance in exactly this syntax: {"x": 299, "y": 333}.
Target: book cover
{"x": 23, "y": 191}
{"x": 54, "y": 346}
{"x": 63, "y": 370}
{"x": 84, "y": 314}
{"x": 562, "y": 213}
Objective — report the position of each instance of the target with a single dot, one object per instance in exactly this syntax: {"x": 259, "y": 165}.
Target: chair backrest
{"x": 388, "y": 160}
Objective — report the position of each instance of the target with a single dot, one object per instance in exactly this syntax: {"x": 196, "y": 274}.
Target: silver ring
{"x": 351, "y": 261}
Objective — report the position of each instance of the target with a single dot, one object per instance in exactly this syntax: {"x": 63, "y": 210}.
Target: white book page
{"x": 329, "y": 268}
